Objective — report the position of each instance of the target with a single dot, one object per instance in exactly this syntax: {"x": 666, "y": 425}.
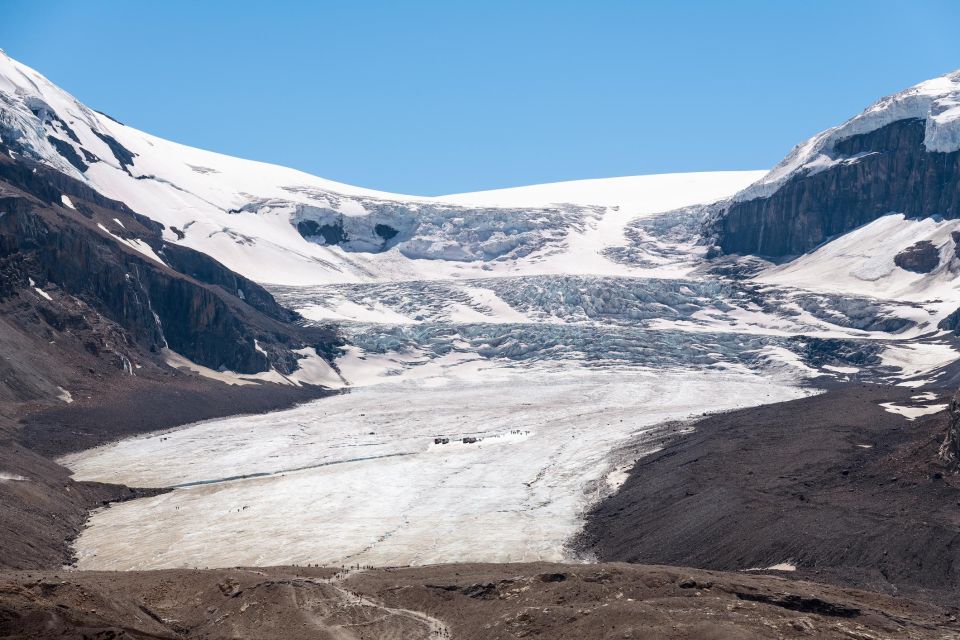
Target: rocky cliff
{"x": 901, "y": 155}
{"x": 871, "y": 175}
{"x": 950, "y": 449}
{"x": 63, "y": 243}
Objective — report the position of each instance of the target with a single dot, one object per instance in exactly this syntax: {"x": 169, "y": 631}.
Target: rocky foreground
{"x": 835, "y": 484}
{"x": 467, "y": 602}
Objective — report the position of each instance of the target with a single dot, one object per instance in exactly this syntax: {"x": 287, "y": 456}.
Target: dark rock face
{"x": 892, "y": 173}
{"x": 331, "y": 233}
{"x": 123, "y": 155}
{"x": 202, "y": 267}
{"x": 193, "y": 304}
{"x": 950, "y": 449}
{"x": 68, "y": 153}
{"x": 921, "y": 257}
{"x": 386, "y": 232}
{"x": 830, "y": 351}
{"x": 951, "y": 322}
{"x": 334, "y": 234}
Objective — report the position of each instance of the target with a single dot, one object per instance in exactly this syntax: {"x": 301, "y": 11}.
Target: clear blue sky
{"x": 446, "y": 96}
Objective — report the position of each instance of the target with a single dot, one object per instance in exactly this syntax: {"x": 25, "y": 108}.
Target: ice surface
{"x": 555, "y": 375}
{"x": 358, "y": 478}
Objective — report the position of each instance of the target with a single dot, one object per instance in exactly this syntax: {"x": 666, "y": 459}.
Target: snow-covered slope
{"x": 862, "y": 262}
{"x": 278, "y": 225}
{"x": 633, "y": 194}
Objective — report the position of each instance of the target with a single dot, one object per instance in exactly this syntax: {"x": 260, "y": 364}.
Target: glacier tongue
{"x": 486, "y": 415}
{"x": 361, "y": 478}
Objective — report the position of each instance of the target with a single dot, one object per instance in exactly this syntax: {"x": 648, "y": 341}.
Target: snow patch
{"x": 618, "y": 475}
{"x": 850, "y": 370}
{"x": 780, "y": 566}
{"x": 912, "y": 413}
{"x": 136, "y": 244}
{"x": 918, "y": 358}
{"x": 312, "y": 369}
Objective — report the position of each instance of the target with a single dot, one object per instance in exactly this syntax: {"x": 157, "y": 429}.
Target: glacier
{"x": 509, "y": 354}
{"x": 484, "y": 416}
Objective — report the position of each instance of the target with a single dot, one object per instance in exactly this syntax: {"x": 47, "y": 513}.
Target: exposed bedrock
{"x": 951, "y": 322}
{"x": 921, "y": 257}
{"x": 870, "y": 175}
{"x": 950, "y": 449}
{"x": 211, "y": 315}
{"x": 202, "y": 267}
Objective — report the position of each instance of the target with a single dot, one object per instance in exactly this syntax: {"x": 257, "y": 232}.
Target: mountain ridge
{"x": 900, "y": 155}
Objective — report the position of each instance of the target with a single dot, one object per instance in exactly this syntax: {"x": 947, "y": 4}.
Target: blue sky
{"x": 441, "y": 97}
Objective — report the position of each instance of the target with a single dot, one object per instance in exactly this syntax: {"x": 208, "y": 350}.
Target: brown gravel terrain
{"x": 850, "y": 493}
{"x": 132, "y": 406}
{"x": 467, "y": 602}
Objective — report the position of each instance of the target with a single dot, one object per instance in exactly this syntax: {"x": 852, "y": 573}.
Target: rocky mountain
{"x": 901, "y": 155}
{"x": 104, "y": 327}
{"x": 85, "y": 263}
{"x": 277, "y": 225}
